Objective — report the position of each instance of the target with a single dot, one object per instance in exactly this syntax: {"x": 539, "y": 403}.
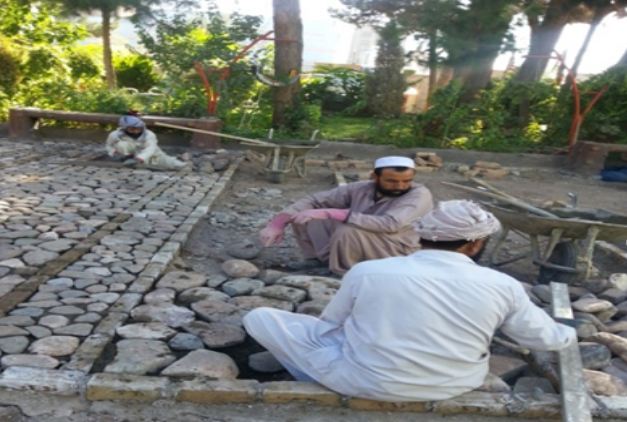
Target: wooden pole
{"x": 222, "y": 135}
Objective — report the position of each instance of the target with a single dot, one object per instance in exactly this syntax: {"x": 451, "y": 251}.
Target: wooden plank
{"x": 575, "y": 399}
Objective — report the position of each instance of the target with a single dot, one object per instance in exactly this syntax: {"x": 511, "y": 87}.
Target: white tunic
{"x": 408, "y": 328}
{"x": 144, "y": 148}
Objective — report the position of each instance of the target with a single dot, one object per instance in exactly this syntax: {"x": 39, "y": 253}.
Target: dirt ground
{"x": 251, "y": 200}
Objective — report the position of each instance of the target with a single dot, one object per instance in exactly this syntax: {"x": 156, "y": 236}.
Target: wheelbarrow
{"x": 561, "y": 259}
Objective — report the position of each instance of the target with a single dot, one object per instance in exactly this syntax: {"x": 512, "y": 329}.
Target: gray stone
{"x": 237, "y": 268}
{"x": 218, "y": 311}
{"x": 17, "y": 320}
{"x": 58, "y": 245}
{"x": 312, "y": 307}
{"x": 11, "y": 345}
{"x": 216, "y": 335}
{"x": 169, "y": 314}
{"x": 249, "y": 303}
{"x": 506, "y": 367}
{"x": 196, "y": 294}
{"x": 97, "y": 307}
{"x": 205, "y": 363}
{"x": 181, "y": 280}
{"x": 99, "y": 271}
{"x": 542, "y": 291}
{"x": 594, "y": 355}
{"x": 140, "y": 357}
{"x": 592, "y": 305}
{"x": 8, "y": 252}
{"x": 160, "y": 296}
{"x": 85, "y": 282}
{"x": 618, "y": 281}
{"x": 280, "y": 292}
{"x": 215, "y": 280}
{"x": 10, "y": 330}
{"x": 109, "y": 297}
{"x": 79, "y": 330}
{"x": 72, "y": 294}
{"x": 39, "y": 257}
{"x": 604, "y": 384}
{"x": 618, "y": 368}
{"x": 185, "y": 341}
{"x": 67, "y": 310}
{"x": 33, "y": 361}
{"x": 40, "y": 304}
{"x": 621, "y": 309}
{"x": 614, "y": 295}
{"x": 264, "y": 362}
{"x": 241, "y": 286}
{"x": 4, "y": 271}
{"x": 28, "y": 311}
{"x": 54, "y": 346}
{"x": 146, "y": 330}
{"x": 243, "y": 250}
{"x": 120, "y": 239}
{"x": 89, "y": 317}
{"x": 585, "y": 329}
{"x": 96, "y": 288}
{"x": 12, "y": 263}
{"x": 54, "y": 321}
{"x": 306, "y": 281}
{"x": 533, "y": 385}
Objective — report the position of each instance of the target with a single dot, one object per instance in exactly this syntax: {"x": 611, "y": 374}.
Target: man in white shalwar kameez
{"x": 358, "y": 221}
{"x": 412, "y": 328}
{"x": 133, "y": 141}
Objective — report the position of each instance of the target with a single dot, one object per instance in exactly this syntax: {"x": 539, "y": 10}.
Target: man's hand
{"x": 139, "y": 160}
{"x": 321, "y": 214}
{"x": 273, "y": 232}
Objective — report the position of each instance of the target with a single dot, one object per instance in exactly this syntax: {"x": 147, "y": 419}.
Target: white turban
{"x": 394, "y": 161}
{"x": 457, "y": 220}
{"x": 131, "y": 121}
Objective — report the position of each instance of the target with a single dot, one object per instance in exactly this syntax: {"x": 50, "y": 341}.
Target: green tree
{"x": 385, "y": 86}
{"x": 108, "y": 10}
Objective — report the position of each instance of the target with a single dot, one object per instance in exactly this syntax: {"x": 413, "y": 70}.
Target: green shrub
{"x": 135, "y": 71}
{"x": 336, "y": 89}
{"x": 83, "y": 64}
{"x": 10, "y": 65}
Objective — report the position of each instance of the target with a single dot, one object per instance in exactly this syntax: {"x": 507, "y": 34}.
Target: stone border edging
{"x": 139, "y": 388}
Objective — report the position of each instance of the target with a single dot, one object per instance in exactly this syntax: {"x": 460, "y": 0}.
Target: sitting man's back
{"x": 416, "y": 327}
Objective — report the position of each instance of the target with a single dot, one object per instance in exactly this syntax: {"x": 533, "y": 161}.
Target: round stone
{"x": 594, "y": 355}
{"x": 33, "y": 361}
{"x": 196, "y": 294}
{"x": 241, "y": 286}
{"x": 16, "y": 344}
{"x": 169, "y": 314}
{"x": 54, "y": 321}
{"x": 181, "y": 280}
{"x": 146, "y": 330}
{"x": 160, "y": 296}
{"x": 236, "y": 268}
{"x": 264, "y": 362}
{"x": 204, "y": 363}
{"x": 54, "y": 346}
{"x": 216, "y": 335}
{"x": 185, "y": 341}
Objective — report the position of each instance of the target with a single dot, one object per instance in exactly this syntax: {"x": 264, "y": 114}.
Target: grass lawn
{"x": 345, "y": 128}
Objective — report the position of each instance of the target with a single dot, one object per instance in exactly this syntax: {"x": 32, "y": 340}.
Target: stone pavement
{"x": 94, "y": 303}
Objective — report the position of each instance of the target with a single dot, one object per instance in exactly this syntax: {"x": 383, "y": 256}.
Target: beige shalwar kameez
{"x": 144, "y": 148}
{"x": 375, "y": 228}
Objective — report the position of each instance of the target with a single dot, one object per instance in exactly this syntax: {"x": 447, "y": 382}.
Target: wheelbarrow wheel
{"x": 564, "y": 254}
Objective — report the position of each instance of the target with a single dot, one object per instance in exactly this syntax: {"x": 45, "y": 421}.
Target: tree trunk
{"x": 288, "y": 51}
{"x": 444, "y": 76}
{"x": 544, "y": 37}
{"x": 475, "y": 75}
{"x": 433, "y": 68}
{"x": 106, "y": 47}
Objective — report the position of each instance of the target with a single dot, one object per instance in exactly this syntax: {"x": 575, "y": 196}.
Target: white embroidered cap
{"x": 457, "y": 220}
{"x": 394, "y": 161}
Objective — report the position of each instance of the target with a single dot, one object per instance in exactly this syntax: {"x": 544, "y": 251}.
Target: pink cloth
{"x": 273, "y": 232}
{"x": 321, "y": 214}
{"x": 457, "y": 220}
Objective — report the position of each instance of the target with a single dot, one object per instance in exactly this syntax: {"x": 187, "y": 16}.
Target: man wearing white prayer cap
{"x": 358, "y": 221}
{"x": 133, "y": 142}
{"x": 413, "y": 328}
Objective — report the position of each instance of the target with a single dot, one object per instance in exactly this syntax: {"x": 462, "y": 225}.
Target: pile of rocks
{"x": 427, "y": 161}
{"x": 486, "y": 169}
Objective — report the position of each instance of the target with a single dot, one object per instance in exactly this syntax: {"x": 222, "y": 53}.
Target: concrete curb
{"x": 136, "y": 388}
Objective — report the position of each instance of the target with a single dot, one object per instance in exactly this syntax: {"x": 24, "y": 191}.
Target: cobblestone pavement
{"x": 81, "y": 243}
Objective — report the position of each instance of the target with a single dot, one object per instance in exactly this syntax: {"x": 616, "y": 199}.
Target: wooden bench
{"x": 22, "y": 123}
{"x": 589, "y": 157}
